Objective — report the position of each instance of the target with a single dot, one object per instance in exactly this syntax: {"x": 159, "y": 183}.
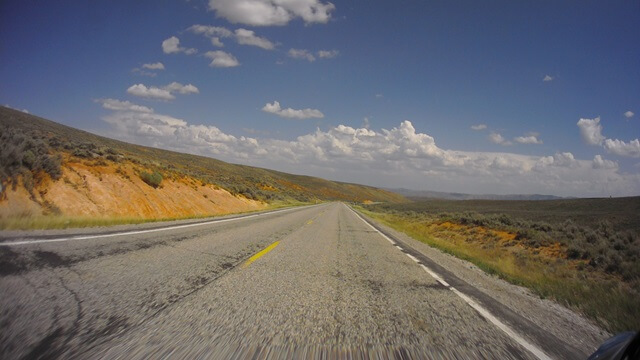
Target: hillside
{"x": 50, "y": 169}
{"x": 426, "y": 194}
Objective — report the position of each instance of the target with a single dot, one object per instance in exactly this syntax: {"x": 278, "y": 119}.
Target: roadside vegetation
{"x": 26, "y": 156}
{"x": 154, "y": 180}
{"x": 583, "y": 253}
{"x": 66, "y": 222}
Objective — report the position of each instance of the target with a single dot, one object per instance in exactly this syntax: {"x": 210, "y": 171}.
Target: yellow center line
{"x": 260, "y": 254}
{"x": 309, "y": 222}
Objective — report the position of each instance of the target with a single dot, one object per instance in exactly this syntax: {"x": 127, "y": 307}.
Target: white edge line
{"x": 87, "y": 237}
{"x": 487, "y": 315}
{"x": 413, "y": 258}
{"x": 483, "y": 312}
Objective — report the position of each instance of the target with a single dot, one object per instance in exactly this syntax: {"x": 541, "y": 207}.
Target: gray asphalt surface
{"x": 332, "y": 287}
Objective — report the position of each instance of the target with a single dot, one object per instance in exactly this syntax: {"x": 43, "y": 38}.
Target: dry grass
{"x": 607, "y": 298}
{"x": 69, "y": 222}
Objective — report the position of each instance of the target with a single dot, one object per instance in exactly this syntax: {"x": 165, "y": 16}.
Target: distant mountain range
{"x": 461, "y": 196}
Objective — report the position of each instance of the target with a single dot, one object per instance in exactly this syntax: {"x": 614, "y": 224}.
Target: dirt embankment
{"x": 116, "y": 190}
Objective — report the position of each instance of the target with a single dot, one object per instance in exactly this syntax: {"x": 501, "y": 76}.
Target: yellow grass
{"x": 67, "y": 222}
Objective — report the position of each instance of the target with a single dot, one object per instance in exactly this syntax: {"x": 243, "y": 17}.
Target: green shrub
{"x": 152, "y": 180}
{"x": 26, "y": 154}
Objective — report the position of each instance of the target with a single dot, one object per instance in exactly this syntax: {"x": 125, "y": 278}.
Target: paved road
{"x": 314, "y": 282}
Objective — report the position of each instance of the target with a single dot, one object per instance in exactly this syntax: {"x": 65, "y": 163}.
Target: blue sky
{"x": 378, "y": 92}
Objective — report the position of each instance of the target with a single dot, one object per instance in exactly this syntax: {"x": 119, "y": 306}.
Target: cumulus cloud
{"x": 401, "y": 156}
{"x": 629, "y": 114}
{"x": 478, "y": 127}
{"x": 242, "y": 36}
{"x": 328, "y": 54}
{"x": 301, "y": 54}
{"x": 154, "y": 66}
{"x": 496, "y": 138}
{"x": 215, "y": 41}
{"x": 528, "y": 139}
{"x": 292, "y": 113}
{"x": 547, "y": 78}
{"x": 621, "y": 148}
{"x": 221, "y": 59}
{"x": 151, "y": 92}
{"x": 600, "y": 163}
{"x": 591, "y": 132}
{"x": 153, "y": 129}
{"x": 248, "y": 37}
{"x": 164, "y": 93}
{"x": 210, "y": 31}
{"x": 271, "y": 12}
{"x": 172, "y": 46}
{"x": 182, "y": 89}
{"x": 118, "y": 105}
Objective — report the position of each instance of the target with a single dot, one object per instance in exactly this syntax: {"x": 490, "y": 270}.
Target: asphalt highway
{"x": 317, "y": 282}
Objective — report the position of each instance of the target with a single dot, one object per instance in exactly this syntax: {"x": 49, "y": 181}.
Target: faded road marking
{"x": 482, "y": 311}
{"x": 260, "y": 254}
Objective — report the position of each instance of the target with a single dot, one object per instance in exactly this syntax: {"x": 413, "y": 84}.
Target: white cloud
{"x": 621, "y": 148}
{"x": 399, "y": 157}
{"x": 547, "y": 78}
{"x": 478, "y": 127}
{"x": 154, "y": 66}
{"x": 600, "y": 163}
{"x": 528, "y": 139}
{"x": 272, "y": 12}
{"x": 292, "y": 113}
{"x": 151, "y": 92}
{"x": 379, "y": 96}
{"x": 172, "y": 46}
{"x": 210, "y": 31}
{"x": 301, "y": 54}
{"x": 215, "y": 41}
{"x": 496, "y": 138}
{"x": 629, "y": 114}
{"x": 182, "y": 89}
{"x": 221, "y": 59}
{"x": 164, "y": 93}
{"x": 213, "y": 32}
{"x": 248, "y": 37}
{"x": 242, "y": 36}
{"x": 118, "y": 105}
{"x": 591, "y": 132}
{"x": 328, "y": 54}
